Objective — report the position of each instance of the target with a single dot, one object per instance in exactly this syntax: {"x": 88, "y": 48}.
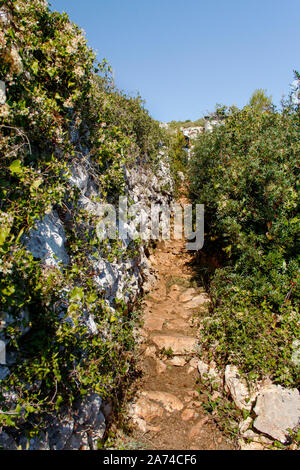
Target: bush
{"x": 61, "y": 109}
{"x": 245, "y": 172}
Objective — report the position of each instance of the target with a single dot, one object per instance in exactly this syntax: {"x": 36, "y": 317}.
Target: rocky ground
{"x": 166, "y": 412}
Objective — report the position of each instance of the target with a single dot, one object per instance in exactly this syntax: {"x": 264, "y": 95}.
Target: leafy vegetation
{"x": 246, "y": 174}
{"x": 61, "y": 109}
{"x": 260, "y": 101}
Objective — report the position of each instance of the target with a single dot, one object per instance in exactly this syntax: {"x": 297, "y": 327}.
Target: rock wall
{"x": 123, "y": 277}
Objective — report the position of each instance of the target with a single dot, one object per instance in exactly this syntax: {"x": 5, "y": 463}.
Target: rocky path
{"x": 166, "y": 412}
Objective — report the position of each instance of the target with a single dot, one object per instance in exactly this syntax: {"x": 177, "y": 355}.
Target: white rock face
{"x": 277, "y": 410}
{"x": 238, "y": 388}
{"x": 47, "y": 241}
{"x": 121, "y": 278}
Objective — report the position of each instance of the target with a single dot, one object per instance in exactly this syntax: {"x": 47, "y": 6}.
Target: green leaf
{"x": 77, "y": 293}
{"x": 4, "y": 232}
{"x": 15, "y": 167}
{"x": 35, "y": 67}
{"x": 36, "y": 183}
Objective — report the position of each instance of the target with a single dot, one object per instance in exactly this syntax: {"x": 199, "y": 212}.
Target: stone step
{"x": 167, "y": 400}
{"x": 177, "y": 343}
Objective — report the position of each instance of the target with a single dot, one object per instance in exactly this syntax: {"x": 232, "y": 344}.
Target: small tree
{"x": 260, "y": 101}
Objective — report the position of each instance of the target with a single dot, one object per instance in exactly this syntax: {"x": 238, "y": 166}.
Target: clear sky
{"x": 186, "y": 56}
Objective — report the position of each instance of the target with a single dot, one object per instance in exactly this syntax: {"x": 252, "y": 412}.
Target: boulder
{"x": 277, "y": 410}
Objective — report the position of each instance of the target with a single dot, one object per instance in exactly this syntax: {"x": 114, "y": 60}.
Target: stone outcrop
{"x": 122, "y": 279}
{"x": 238, "y": 388}
{"x": 277, "y": 410}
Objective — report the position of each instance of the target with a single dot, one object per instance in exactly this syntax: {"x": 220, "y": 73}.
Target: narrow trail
{"x": 167, "y": 412}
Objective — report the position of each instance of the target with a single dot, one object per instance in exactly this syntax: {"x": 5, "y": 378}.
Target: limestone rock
{"x": 177, "y": 324}
{"x": 2, "y": 353}
{"x": 238, "y": 388}
{"x": 277, "y": 410}
{"x": 78, "y": 441}
{"x": 153, "y": 322}
{"x": 177, "y": 361}
{"x": 35, "y": 443}
{"x": 194, "y": 363}
{"x": 47, "y": 240}
{"x": 245, "y": 425}
{"x": 150, "y": 351}
{"x": 243, "y": 445}
{"x": 89, "y": 410}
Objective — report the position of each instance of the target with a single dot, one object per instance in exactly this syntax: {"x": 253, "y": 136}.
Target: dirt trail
{"x": 167, "y": 411}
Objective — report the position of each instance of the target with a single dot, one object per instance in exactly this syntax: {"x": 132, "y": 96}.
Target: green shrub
{"x": 245, "y": 172}
{"x": 61, "y": 107}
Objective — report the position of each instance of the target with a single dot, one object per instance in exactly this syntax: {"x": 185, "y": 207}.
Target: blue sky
{"x": 183, "y": 57}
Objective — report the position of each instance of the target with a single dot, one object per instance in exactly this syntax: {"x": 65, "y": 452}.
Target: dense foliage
{"x": 61, "y": 108}
{"x": 246, "y": 174}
